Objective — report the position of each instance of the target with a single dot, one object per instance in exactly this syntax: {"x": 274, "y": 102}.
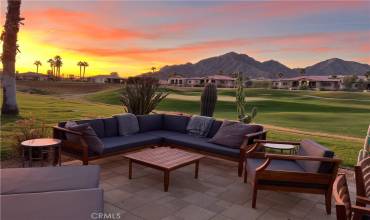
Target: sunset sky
{"x": 130, "y": 37}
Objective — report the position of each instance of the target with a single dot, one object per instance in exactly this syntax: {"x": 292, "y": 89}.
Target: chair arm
{"x": 296, "y": 157}
{"x": 259, "y": 134}
{"x": 359, "y": 211}
{"x": 67, "y": 130}
{"x": 276, "y": 142}
{"x": 362, "y": 200}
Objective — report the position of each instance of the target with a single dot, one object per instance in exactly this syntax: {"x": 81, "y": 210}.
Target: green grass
{"x": 282, "y": 108}
{"x": 291, "y": 109}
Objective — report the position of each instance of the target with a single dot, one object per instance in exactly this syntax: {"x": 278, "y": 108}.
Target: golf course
{"x": 338, "y": 120}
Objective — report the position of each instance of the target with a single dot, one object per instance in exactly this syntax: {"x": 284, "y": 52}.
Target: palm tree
{"x": 52, "y": 66}
{"x": 367, "y": 75}
{"x": 153, "y": 68}
{"x": 8, "y": 57}
{"x": 302, "y": 72}
{"x": 58, "y": 63}
{"x": 80, "y": 64}
{"x": 280, "y": 75}
{"x": 85, "y": 64}
{"x": 37, "y": 63}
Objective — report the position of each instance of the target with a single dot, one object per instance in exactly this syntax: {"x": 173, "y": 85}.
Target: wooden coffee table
{"x": 165, "y": 159}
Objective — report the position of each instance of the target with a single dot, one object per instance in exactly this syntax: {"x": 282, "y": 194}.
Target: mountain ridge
{"x": 233, "y": 62}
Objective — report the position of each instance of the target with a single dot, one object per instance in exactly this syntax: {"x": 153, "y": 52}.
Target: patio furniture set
{"x": 164, "y": 142}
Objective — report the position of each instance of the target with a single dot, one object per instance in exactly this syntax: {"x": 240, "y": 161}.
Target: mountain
{"x": 233, "y": 62}
{"x": 337, "y": 66}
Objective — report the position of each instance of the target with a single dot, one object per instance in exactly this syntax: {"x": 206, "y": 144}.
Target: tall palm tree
{"x": 37, "y": 63}
{"x": 52, "y": 65}
{"x": 85, "y": 64}
{"x": 280, "y": 75}
{"x": 302, "y": 72}
{"x": 58, "y": 63}
{"x": 8, "y": 57}
{"x": 80, "y": 64}
{"x": 153, "y": 68}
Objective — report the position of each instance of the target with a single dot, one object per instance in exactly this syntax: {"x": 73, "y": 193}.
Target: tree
{"x": 85, "y": 64}
{"x": 153, "y": 68}
{"x": 52, "y": 66}
{"x": 37, "y": 63}
{"x": 80, "y": 64}
{"x": 280, "y": 75}
{"x": 57, "y": 63}
{"x": 302, "y": 72}
{"x": 140, "y": 95}
{"x": 367, "y": 75}
{"x": 241, "y": 103}
{"x": 8, "y": 57}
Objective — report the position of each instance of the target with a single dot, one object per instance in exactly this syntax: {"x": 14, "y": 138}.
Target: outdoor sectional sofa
{"x": 155, "y": 130}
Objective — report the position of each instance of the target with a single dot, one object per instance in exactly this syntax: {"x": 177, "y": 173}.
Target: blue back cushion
{"x": 110, "y": 127}
{"x": 311, "y": 148}
{"x": 150, "y": 122}
{"x": 214, "y": 128}
{"x": 176, "y": 123}
{"x": 96, "y": 124}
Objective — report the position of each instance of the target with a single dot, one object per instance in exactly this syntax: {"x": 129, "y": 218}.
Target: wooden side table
{"x": 45, "y": 145}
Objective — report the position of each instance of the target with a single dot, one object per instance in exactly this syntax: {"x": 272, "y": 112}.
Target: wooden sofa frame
{"x": 288, "y": 176}
{"x": 81, "y": 151}
{"x": 362, "y": 174}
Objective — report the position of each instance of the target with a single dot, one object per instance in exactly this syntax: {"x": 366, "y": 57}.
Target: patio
{"x": 218, "y": 194}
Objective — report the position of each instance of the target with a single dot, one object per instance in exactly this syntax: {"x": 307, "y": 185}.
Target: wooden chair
{"x": 306, "y": 172}
{"x": 345, "y": 210}
{"x": 362, "y": 173}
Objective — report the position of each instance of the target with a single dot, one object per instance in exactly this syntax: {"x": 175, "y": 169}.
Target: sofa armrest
{"x": 65, "y": 130}
{"x": 276, "y": 142}
{"x": 296, "y": 157}
{"x": 360, "y": 211}
{"x": 73, "y": 204}
{"x": 362, "y": 200}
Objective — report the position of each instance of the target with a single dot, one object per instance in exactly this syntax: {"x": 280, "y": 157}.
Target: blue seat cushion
{"x": 96, "y": 124}
{"x": 112, "y": 144}
{"x": 214, "y": 128}
{"x": 275, "y": 165}
{"x": 200, "y": 143}
{"x": 175, "y": 123}
{"x": 163, "y": 133}
{"x": 150, "y": 122}
{"x": 110, "y": 127}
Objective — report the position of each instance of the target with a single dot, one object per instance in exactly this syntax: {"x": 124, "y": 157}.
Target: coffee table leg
{"x": 166, "y": 180}
{"x": 130, "y": 169}
{"x": 196, "y": 169}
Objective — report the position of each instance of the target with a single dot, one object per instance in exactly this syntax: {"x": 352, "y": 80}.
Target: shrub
{"x": 141, "y": 95}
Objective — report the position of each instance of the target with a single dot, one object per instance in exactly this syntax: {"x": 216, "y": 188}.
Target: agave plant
{"x": 140, "y": 95}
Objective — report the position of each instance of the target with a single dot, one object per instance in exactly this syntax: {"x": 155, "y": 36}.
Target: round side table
{"x": 44, "y": 145}
{"x": 289, "y": 147}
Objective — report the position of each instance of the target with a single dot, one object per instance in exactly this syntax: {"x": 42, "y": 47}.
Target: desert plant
{"x": 30, "y": 129}
{"x": 241, "y": 103}
{"x": 208, "y": 100}
{"x": 140, "y": 95}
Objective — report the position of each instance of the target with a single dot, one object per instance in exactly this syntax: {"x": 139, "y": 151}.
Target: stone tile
{"x": 111, "y": 209}
{"x": 171, "y": 217}
{"x": 219, "y": 206}
{"x": 237, "y": 212}
{"x": 200, "y": 199}
{"x": 220, "y": 217}
{"x": 276, "y": 214}
{"x": 153, "y": 211}
{"x": 116, "y": 195}
{"x": 193, "y": 212}
{"x": 129, "y": 216}
{"x": 219, "y": 181}
{"x": 131, "y": 203}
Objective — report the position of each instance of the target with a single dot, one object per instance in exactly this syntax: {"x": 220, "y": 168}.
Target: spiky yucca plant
{"x": 140, "y": 95}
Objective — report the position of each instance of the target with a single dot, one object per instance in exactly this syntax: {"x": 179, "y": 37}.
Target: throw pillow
{"x": 199, "y": 125}
{"x": 92, "y": 140}
{"x": 127, "y": 124}
{"x": 231, "y": 134}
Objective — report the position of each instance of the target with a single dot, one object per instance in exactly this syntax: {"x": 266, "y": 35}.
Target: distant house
{"x": 318, "y": 83}
{"x": 220, "y": 81}
{"x": 31, "y": 76}
{"x": 112, "y": 78}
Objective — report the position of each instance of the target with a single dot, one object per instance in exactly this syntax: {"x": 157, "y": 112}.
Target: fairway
{"x": 284, "y": 109}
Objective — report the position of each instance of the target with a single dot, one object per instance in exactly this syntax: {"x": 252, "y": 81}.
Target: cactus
{"x": 208, "y": 100}
{"x": 241, "y": 103}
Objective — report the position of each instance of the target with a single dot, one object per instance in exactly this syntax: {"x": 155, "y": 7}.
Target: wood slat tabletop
{"x": 165, "y": 157}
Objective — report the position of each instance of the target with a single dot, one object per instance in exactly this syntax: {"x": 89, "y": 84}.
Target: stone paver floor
{"x": 218, "y": 194}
